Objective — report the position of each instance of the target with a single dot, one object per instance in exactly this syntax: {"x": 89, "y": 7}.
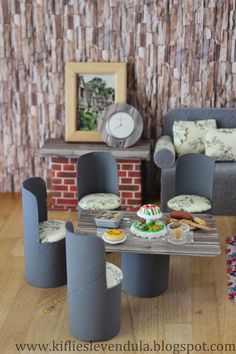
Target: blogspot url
{"x": 140, "y": 346}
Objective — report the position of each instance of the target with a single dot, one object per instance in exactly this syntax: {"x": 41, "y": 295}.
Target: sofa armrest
{"x": 164, "y": 153}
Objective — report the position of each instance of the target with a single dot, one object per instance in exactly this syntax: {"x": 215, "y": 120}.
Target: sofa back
{"x": 225, "y": 117}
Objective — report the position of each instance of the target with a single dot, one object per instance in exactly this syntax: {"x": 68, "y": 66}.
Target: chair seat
{"x": 114, "y": 275}
{"x": 100, "y": 201}
{"x": 189, "y": 203}
{"x": 51, "y": 230}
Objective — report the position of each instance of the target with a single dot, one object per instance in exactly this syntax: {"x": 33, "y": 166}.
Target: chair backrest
{"x": 45, "y": 263}
{"x": 195, "y": 175}
{"x": 37, "y": 188}
{"x": 225, "y": 117}
{"x": 86, "y": 264}
{"x": 97, "y": 173}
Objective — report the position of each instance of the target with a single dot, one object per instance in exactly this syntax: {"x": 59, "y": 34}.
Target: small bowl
{"x": 177, "y": 230}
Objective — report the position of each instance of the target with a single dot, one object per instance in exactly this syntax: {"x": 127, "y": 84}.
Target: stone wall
{"x": 179, "y": 53}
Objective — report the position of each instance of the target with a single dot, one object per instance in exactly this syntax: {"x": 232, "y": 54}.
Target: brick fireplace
{"x": 62, "y": 172}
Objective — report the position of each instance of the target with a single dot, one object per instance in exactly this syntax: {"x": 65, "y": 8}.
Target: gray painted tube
{"x": 45, "y": 263}
{"x": 195, "y": 175}
{"x": 145, "y": 275}
{"x": 94, "y": 310}
{"x": 97, "y": 173}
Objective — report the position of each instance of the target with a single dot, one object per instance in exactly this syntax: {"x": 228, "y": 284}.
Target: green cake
{"x": 150, "y": 230}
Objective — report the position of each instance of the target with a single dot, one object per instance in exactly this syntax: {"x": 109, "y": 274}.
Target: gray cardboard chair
{"x": 94, "y": 309}
{"x": 45, "y": 263}
{"x": 224, "y": 192}
{"x": 195, "y": 176}
{"x": 97, "y": 173}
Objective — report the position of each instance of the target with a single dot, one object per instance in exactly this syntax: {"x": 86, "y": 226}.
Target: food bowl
{"x": 178, "y": 231}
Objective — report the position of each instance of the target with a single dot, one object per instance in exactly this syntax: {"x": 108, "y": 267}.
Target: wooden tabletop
{"x": 205, "y": 243}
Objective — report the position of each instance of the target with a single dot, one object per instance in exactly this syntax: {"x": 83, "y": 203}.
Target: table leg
{"x": 145, "y": 275}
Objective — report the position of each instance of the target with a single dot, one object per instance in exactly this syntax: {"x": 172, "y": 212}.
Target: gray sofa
{"x": 224, "y": 193}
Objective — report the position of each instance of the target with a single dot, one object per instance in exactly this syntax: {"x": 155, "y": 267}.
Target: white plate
{"x": 114, "y": 242}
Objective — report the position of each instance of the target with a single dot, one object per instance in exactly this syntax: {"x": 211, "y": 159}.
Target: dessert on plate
{"x": 151, "y": 227}
{"x": 150, "y": 230}
{"x": 114, "y": 235}
{"x": 149, "y": 212}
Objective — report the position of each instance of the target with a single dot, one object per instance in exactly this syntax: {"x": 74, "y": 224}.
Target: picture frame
{"x": 89, "y": 88}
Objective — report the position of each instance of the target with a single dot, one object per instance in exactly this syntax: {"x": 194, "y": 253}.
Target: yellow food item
{"x": 199, "y": 221}
{"x": 114, "y": 235}
{"x": 172, "y": 220}
{"x": 178, "y": 233}
{"x": 155, "y": 228}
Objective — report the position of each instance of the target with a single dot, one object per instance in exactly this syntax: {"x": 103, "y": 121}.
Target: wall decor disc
{"x": 120, "y": 125}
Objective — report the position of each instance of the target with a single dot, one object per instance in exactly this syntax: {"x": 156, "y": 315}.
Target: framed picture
{"x": 89, "y": 89}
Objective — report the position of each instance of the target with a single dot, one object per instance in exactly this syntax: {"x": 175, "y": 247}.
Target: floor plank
{"x": 194, "y": 309}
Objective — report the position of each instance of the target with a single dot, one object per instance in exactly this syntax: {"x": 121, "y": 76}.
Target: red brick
{"x": 132, "y": 208}
{"x": 56, "y": 181}
{"x": 69, "y": 195}
{"x": 57, "y": 194}
{"x": 66, "y": 174}
{"x": 137, "y": 167}
{"x": 129, "y": 188}
{"x": 126, "y": 194}
{"x": 137, "y": 181}
{"x": 60, "y": 159}
{"x": 56, "y": 207}
{"x": 69, "y": 167}
{"x": 138, "y": 195}
{"x": 69, "y": 181}
{"x": 134, "y": 174}
{"x": 73, "y": 160}
{"x": 73, "y": 188}
{"x": 122, "y": 173}
{"x": 126, "y": 180}
{"x": 125, "y": 167}
{"x": 133, "y": 201}
{"x": 67, "y": 201}
{"x": 60, "y": 188}
{"x": 56, "y": 167}
{"x": 127, "y": 161}
{"x": 51, "y": 174}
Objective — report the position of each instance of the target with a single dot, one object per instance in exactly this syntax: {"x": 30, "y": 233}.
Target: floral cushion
{"x": 189, "y": 203}
{"x": 100, "y": 201}
{"x": 51, "y": 230}
{"x": 114, "y": 275}
{"x": 189, "y": 136}
{"x": 221, "y": 144}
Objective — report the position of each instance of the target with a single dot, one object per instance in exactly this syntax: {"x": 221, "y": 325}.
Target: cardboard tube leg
{"x": 145, "y": 275}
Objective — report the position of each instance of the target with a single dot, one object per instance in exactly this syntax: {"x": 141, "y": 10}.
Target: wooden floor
{"x": 195, "y": 308}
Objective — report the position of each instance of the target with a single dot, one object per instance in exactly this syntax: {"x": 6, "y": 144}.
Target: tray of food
{"x": 194, "y": 222}
{"x": 109, "y": 219}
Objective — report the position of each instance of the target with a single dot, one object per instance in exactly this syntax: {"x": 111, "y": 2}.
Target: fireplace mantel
{"x": 56, "y": 147}
{"x": 62, "y": 171}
